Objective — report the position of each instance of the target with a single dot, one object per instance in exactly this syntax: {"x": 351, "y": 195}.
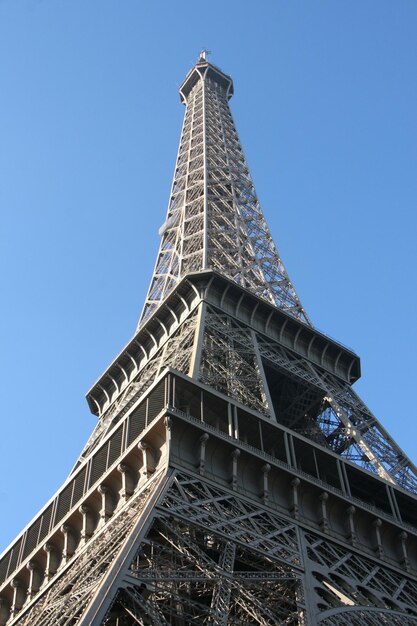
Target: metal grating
{"x": 4, "y": 566}
{"x": 137, "y": 421}
{"x": 32, "y": 538}
{"x": 78, "y": 486}
{"x": 156, "y": 401}
{"x": 64, "y": 502}
{"x": 46, "y": 521}
{"x": 99, "y": 464}
{"x": 14, "y": 556}
{"x": 115, "y": 444}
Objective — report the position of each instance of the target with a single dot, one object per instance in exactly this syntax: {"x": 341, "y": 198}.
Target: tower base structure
{"x": 191, "y": 507}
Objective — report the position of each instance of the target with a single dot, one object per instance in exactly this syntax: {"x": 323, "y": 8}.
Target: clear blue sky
{"x": 325, "y": 103}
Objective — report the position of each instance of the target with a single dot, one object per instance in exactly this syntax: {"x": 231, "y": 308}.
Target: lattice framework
{"x": 214, "y": 219}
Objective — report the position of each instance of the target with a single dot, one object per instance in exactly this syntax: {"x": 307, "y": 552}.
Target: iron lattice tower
{"x": 234, "y": 476}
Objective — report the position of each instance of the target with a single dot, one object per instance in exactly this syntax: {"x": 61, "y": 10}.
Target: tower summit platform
{"x": 202, "y": 70}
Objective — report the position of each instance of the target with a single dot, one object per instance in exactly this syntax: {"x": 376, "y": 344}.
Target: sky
{"x": 325, "y": 105}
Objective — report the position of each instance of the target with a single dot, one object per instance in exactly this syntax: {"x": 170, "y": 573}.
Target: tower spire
{"x": 214, "y": 219}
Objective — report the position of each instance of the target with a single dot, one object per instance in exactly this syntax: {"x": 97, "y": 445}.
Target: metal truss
{"x": 368, "y": 617}
{"x": 222, "y": 512}
{"x": 211, "y": 557}
{"x": 231, "y": 366}
{"x": 214, "y": 219}
{"x": 321, "y": 406}
{"x": 186, "y": 551}
{"x": 64, "y": 602}
{"x": 220, "y": 603}
{"x": 352, "y": 590}
{"x": 355, "y": 432}
{"x": 176, "y": 352}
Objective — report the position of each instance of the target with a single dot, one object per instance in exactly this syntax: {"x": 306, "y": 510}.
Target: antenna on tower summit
{"x": 204, "y": 54}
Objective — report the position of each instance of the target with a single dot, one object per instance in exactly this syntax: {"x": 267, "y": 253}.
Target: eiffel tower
{"x": 234, "y": 475}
